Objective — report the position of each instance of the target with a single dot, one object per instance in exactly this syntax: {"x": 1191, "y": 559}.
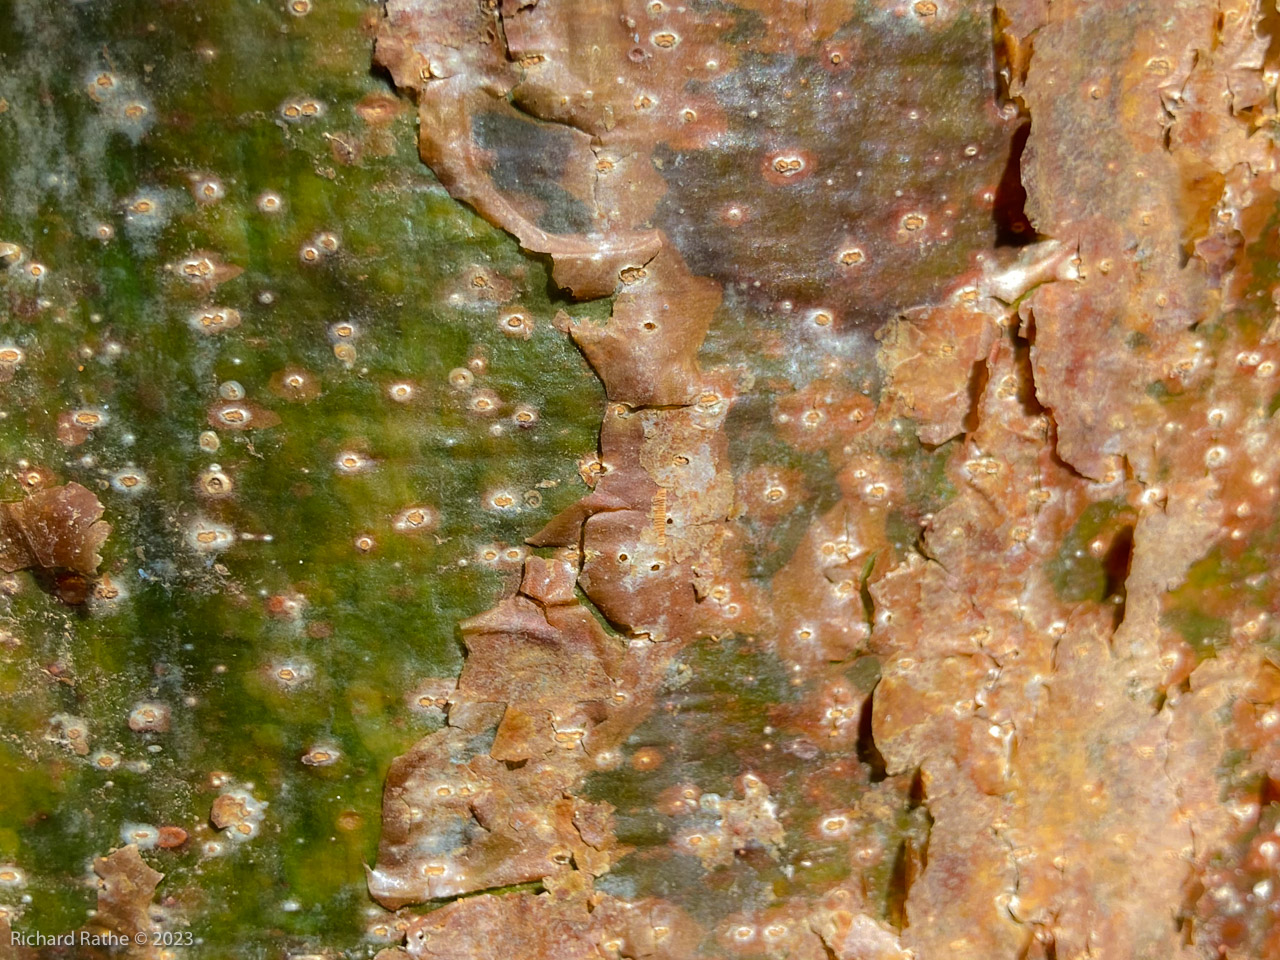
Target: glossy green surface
{"x": 107, "y": 328}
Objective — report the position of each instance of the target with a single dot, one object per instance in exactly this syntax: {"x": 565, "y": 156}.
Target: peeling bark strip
{"x": 58, "y": 528}
{"x": 56, "y": 532}
{"x": 126, "y": 889}
{"x": 1026, "y": 683}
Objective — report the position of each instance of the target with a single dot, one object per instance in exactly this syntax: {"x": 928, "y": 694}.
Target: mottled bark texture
{"x": 906, "y": 650}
